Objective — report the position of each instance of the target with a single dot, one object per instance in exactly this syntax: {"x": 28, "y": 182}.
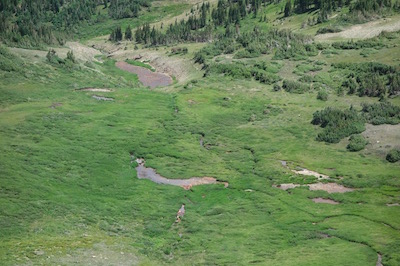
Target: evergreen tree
{"x": 71, "y": 57}
{"x": 128, "y": 33}
{"x": 116, "y": 34}
{"x": 288, "y": 8}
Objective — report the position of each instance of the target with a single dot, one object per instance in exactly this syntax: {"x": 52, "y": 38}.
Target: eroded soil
{"x": 327, "y": 201}
{"x": 363, "y": 31}
{"x": 147, "y": 77}
{"x": 382, "y": 138}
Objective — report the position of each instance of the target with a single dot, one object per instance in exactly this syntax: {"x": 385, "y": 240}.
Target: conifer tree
{"x": 288, "y": 8}
{"x": 128, "y": 33}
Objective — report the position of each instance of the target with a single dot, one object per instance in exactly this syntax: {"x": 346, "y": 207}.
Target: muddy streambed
{"x": 144, "y": 172}
{"x": 146, "y": 76}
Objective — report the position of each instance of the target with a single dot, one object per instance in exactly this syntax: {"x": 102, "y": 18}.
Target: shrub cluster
{"x": 322, "y": 95}
{"x": 357, "y": 143}
{"x": 370, "y": 79}
{"x": 393, "y": 156}
{"x": 179, "y": 50}
{"x": 328, "y": 29}
{"x": 240, "y": 70}
{"x": 381, "y": 113}
{"x": 8, "y": 61}
{"x": 53, "y": 59}
{"x": 337, "y": 124}
{"x": 295, "y": 86}
{"x": 286, "y": 44}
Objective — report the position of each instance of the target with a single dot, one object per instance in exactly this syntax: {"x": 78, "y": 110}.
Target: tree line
{"x": 32, "y": 23}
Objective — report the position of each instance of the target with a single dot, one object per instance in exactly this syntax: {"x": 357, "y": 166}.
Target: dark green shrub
{"x": 357, "y": 143}
{"x": 322, "y": 95}
{"x": 337, "y": 124}
{"x": 294, "y": 86}
{"x": 393, "y": 156}
{"x": 277, "y": 87}
{"x": 328, "y": 29}
{"x": 381, "y": 113}
{"x": 53, "y": 58}
{"x": 8, "y": 61}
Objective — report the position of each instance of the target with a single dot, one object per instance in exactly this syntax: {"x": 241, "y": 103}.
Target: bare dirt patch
{"x": 147, "y": 77}
{"x": 151, "y": 174}
{"x": 327, "y": 201}
{"x": 102, "y": 98}
{"x": 328, "y": 187}
{"x": 95, "y": 89}
{"x": 83, "y": 52}
{"x": 363, "y": 31}
{"x": 382, "y": 138}
{"x": 392, "y": 204}
{"x": 310, "y": 173}
{"x": 379, "y": 261}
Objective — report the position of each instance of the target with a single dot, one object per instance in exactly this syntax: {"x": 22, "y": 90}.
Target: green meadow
{"x": 69, "y": 193}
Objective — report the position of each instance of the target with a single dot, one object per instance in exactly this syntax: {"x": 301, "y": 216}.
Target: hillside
{"x": 191, "y": 133}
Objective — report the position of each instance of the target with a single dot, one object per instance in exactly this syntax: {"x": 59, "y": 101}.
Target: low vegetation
{"x": 251, "y": 78}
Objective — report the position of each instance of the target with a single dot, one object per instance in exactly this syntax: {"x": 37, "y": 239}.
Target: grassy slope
{"x": 67, "y": 182}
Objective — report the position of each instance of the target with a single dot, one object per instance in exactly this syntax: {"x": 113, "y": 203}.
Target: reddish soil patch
{"x": 327, "y": 201}
{"x": 147, "y": 77}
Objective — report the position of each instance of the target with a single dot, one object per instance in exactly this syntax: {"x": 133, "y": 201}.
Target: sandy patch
{"x": 392, "y": 204}
{"x": 311, "y": 173}
{"x": 147, "y": 77}
{"x": 382, "y": 138}
{"x": 102, "y": 98}
{"x": 363, "y": 31}
{"x": 379, "y": 261}
{"x": 328, "y": 187}
{"x": 83, "y": 52}
{"x": 327, "y": 201}
{"x": 95, "y": 89}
